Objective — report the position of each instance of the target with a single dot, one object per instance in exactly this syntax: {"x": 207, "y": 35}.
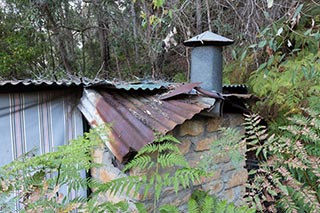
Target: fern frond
{"x": 256, "y": 134}
{"x": 193, "y": 206}
{"x": 208, "y": 204}
{"x": 168, "y": 209}
{"x": 167, "y": 146}
{"x": 94, "y": 206}
{"x": 185, "y": 176}
{"x": 158, "y": 186}
{"x": 221, "y": 206}
{"x": 148, "y": 149}
{"x": 165, "y": 143}
{"x": 309, "y": 198}
{"x": 288, "y": 204}
{"x": 171, "y": 159}
{"x": 315, "y": 162}
{"x": 165, "y": 138}
{"x": 149, "y": 186}
{"x": 140, "y": 207}
{"x": 122, "y": 185}
{"x": 141, "y": 161}
{"x": 291, "y": 171}
{"x": 295, "y": 163}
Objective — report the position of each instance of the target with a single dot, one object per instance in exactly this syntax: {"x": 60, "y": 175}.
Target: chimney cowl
{"x": 208, "y": 39}
{"x": 206, "y": 63}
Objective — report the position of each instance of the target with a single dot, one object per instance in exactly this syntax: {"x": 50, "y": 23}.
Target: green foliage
{"x": 168, "y": 209}
{"x": 282, "y": 67}
{"x": 288, "y": 77}
{"x": 239, "y": 69}
{"x": 155, "y": 158}
{"x": 180, "y": 77}
{"x": 93, "y": 205}
{"x": 288, "y": 178}
{"x": 21, "y": 45}
{"x": 202, "y": 202}
{"x": 36, "y": 181}
{"x": 256, "y": 134}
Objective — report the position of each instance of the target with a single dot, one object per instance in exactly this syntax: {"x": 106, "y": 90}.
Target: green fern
{"x": 288, "y": 179}
{"x": 38, "y": 179}
{"x": 156, "y": 157}
{"x": 202, "y": 202}
{"x": 168, "y": 209}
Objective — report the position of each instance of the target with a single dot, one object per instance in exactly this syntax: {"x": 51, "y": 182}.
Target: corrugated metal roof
{"x": 63, "y": 82}
{"x": 141, "y": 85}
{"x": 235, "y": 88}
{"x": 135, "y": 117}
{"x": 182, "y": 89}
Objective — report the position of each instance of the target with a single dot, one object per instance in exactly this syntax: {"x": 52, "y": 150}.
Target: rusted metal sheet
{"x": 183, "y": 89}
{"x": 135, "y": 117}
{"x": 210, "y": 93}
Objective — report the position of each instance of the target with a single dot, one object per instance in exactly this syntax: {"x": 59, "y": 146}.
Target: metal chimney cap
{"x": 208, "y": 39}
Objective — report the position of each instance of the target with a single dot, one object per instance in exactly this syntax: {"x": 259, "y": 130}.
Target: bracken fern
{"x": 288, "y": 178}
{"x": 156, "y": 157}
{"x": 202, "y": 202}
{"x": 35, "y": 182}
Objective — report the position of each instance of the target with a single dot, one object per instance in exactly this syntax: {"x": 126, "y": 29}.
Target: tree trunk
{"x": 59, "y": 37}
{"x": 104, "y": 47}
{"x": 208, "y": 15}
{"x": 103, "y": 29}
{"x": 68, "y": 34}
{"x": 199, "y": 16}
{"x": 134, "y": 28}
{"x": 151, "y": 55}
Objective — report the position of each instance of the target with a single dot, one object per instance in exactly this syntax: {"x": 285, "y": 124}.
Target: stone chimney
{"x": 206, "y": 59}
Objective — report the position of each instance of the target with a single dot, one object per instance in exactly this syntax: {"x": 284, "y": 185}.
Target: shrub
{"x": 289, "y": 176}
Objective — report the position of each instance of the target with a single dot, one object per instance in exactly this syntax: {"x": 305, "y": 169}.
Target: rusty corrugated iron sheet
{"x": 136, "y": 117}
{"x": 211, "y": 94}
{"x": 183, "y": 89}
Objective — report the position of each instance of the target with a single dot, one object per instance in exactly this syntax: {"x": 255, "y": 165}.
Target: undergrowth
{"x": 155, "y": 158}
{"x": 55, "y": 181}
{"x": 48, "y": 182}
{"x": 288, "y": 178}
{"x": 202, "y": 202}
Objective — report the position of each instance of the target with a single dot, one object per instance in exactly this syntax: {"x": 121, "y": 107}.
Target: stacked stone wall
{"x": 196, "y": 136}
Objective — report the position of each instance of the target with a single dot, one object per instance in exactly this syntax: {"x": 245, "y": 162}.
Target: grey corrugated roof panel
{"x": 136, "y": 117}
{"x": 65, "y": 82}
{"x": 29, "y": 82}
{"x": 235, "y": 88}
{"x": 208, "y": 38}
{"x": 86, "y": 83}
{"x": 143, "y": 86}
